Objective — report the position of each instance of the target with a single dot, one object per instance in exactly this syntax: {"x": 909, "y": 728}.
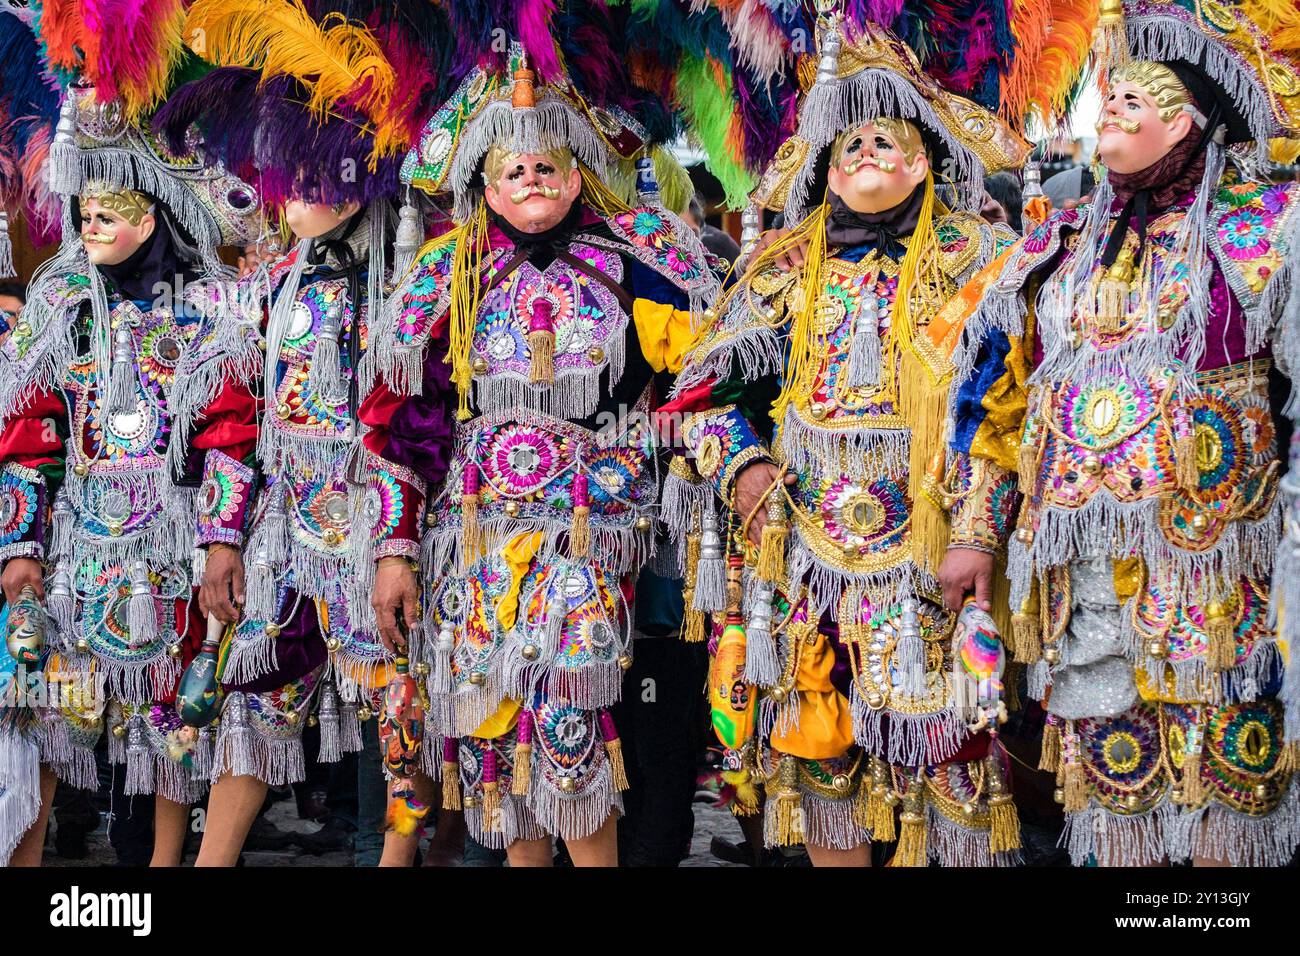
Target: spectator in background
{"x": 13, "y": 296}
{"x": 714, "y": 239}
{"x": 1002, "y": 200}
{"x": 1070, "y": 188}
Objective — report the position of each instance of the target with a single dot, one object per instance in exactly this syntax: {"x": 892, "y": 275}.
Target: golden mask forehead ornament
{"x": 903, "y": 132}
{"x": 1162, "y": 85}
{"x": 499, "y": 157}
{"x": 130, "y": 205}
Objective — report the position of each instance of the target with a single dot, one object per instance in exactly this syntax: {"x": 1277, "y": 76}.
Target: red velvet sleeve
{"x": 229, "y": 423}
{"x": 32, "y": 439}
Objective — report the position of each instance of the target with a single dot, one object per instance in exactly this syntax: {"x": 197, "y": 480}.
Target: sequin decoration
{"x": 1122, "y": 758}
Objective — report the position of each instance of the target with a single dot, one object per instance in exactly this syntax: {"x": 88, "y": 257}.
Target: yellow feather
{"x": 336, "y": 61}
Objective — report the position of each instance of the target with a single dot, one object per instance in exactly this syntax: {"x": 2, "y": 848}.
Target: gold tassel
{"x": 614, "y": 750}
{"x": 541, "y": 350}
{"x": 1049, "y": 758}
{"x": 523, "y": 771}
{"x": 580, "y": 532}
{"x": 1004, "y": 821}
{"x": 1112, "y": 293}
{"x": 1193, "y": 788}
{"x": 912, "y": 836}
{"x": 880, "y": 807}
{"x": 787, "y": 803}
{"x": 771, "y": 550}
{"x": 1027, "y": 466}
{"x": 1075, "y": 786}
{"x": 491, "y": 806}
{"x": 1221, "y": 637}
{"x": 471, "y": 537}
{"x": 1288, "y": 761}
{"x": 1025, "y": 629}
{"x": 693, "y": 631}
{"x": 451, "y": 785}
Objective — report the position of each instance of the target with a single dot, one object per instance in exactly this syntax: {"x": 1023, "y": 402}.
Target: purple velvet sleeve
{"x": 423, "y": 427}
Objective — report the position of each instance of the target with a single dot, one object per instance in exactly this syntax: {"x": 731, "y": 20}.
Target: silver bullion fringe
{"x": 757, "y": 349}
{"x": 1111, "y": 839}
{"x": 240, "y": 751}
{"x": 913, "y": 739}
{"x": 574, "y": 816}
{"x": 862, "y": 452}
{"x": 824, "y": 822}
{"x": 20, "y": 788}
{"x": 1217, "y": 832}
{"x": 826, "y": 585}
{"x": 951, "y": 844}
{"x": 514, "y": 821}
{"x": 149, "y": 772}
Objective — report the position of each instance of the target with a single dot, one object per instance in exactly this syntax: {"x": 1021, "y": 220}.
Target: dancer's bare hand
{"x": 222, "y": 592}
{"x": 752, "y": 486}
{"x": 396, "y": 598}
{"x": 20, "y": 573}
{"x": 967, "y": 571}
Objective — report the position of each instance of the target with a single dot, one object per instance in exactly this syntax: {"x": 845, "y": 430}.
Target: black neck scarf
{"x": 881, "y": 231}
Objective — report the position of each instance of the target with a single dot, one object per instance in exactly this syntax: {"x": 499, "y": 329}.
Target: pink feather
{"x": 533, "y": 18}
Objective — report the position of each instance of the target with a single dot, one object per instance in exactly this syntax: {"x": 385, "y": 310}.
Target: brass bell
{"x": 1176, "y": 795}
{"x": 283, "y": 410}
{"x": 511, "y": 508}
{"x": 1025, "y": 536}
{"x": 22, "y": 328}
{"x": 119, "y": 731}
{"x": 312, "y": 721}
{"x": 530, "y": 652}
{"x": 1158, "y": 649}
{"x": 1059, "y": 795}
{"x": 892, "y": 799}
{"x": 480, "y": 365}
{"x": 477, "y": 678}
{"x": 1261, "y": 791}
{"x": 1091, "y": 465}
{"x": 292, "y": 718}
{"x": 95, "y": 722}
{"x": 272, "y": 630}
{"x": 567, "y": 784}
{"x": 1052, "y": 655}
{"x": 778, "y": 694}
{"x": 115, "y": 529}
{"x": 471, "y": 803}
{"x": 333, "y": 644}
{"x": 430, "y": 519}
{"x": 596, "y": 354}
{"x": 643, "y": 523}
{"x": 818, "y": 410}
{"x": 968, "y": 808}
{"x": 1132, "y": 802}
{"x": 625, "y": 661}
{"x": 423, "y": 669}
{"x": 850, "y": 549}
{"x": 1200, "y": 523}
{"x": 174, "y": 650}
{"x": 330, "y": 537}
{"x": 81, "y": 469}
{"x": 841, "y": 783}
{"x": 875, "y": 699}
{"x": 83, "y": 645}
{"x": 364, "y": 713}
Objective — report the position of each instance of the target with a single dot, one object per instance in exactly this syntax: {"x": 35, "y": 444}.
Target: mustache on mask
{"x": 884, "y": 165}
{"x": 521, "y": 196}
{"x": 1123, "y": 123}
{"x": 102, "y": 238}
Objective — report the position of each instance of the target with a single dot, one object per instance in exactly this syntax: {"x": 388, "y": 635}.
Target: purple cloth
{"x": 299, "y": 649}
{"x": 422, "y": 430}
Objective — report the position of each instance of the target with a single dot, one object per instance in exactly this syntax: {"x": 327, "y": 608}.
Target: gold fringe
{"x": 1186, "y": 472}
{"x": 471, "y": 534}
{"x": 1004, "y": 826}
{"x": 580, "y": 532}
{"x": 880, "y": 811}
{"x": 911, "y": 840}
{"x": 1193, "y": 787}
{"x": 1026, "y": 626}
{"x": 1288, "y": 761}
{"x": 1049, "y": 757}
{"x": 522, "y": 778}
{"x": 466, "y": 293}
{"x": 1027, "y": 466}
{"x": 771, "y": 551}
{"x": 1112, "y": 293}
{"x": 788, "y": 803}
{"x": 451, "y": 785}
{"x": 693, "y": 625}
{"x": 1221, "y": 636}
{"x": 541, "y": 351}
{"x": 614, "y": 750}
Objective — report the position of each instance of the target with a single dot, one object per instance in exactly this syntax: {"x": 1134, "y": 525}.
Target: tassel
{"x": 59, "y": 602}
{"x": 1220, "y": 633}
{"x": 771, "y": 550}
{"x": 1288, "y": 761}
{"x": 1004, "y": 826}
{"x": 541, "y": 342}
{"x": 1027, "y": 458}
{"x": 1113, "y": 293}
{"x": 276, "y": 534}
{"x": 693, "y": 621}
{"x": 1026, "y": 631}
{"x": 327, "y": 716}
{"x": 1186, "y": 471}
{"x": 440, "y": 679}
{"x": 471, "y": 536}
{"x": 451, "y": 774}
{"x": 711, "y": 570}
{"x": 1049, "y": 757}
{"x": 406, "y": 814}
{"x": 912, "y": 835}
{"x": 326, "y": 365}
{"x": 693, "y": 630}
{"x": 1074, "y": 784}
{"x": 143, "y": 614}
{"x": 1192, "y": 786}
{"x": 6, "y": 248}
{"x": 865, "y": 346}
{"x": 880, "y": 803}
{"x": 139, "y": 761}
{"x": 580, "y": 525}
{"x": 909, "y": 652}
{"x": 557, "y": 609}
{"x": 124, "y": 380}
{"x": 261, "y": 586}
{"x": 761, "y": 665}
{"x": 522, "y": 777}
{"x": 63, "y": 164}
{"x": 614, "y": 750}
{"x": 491, "y": 790}
{"x": 406, "y": 241}
{"x": 788, "y": 802}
